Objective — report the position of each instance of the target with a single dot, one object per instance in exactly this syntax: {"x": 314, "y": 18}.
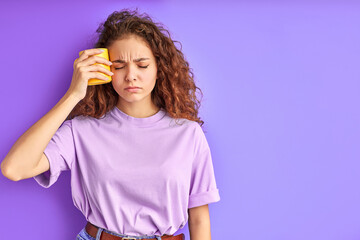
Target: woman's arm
{"x": 24, "y": 156}
{"x": 199, "y": 223}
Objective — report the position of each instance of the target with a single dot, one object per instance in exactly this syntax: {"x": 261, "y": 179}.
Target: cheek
{"x": 116, "y": 84}
{"x": 150, "y": 83}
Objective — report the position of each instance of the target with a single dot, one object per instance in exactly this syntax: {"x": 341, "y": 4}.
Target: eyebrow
{"x": 135, "y": 60}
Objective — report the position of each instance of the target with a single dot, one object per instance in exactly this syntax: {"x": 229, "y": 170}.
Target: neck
{"x": 137, "y": 110}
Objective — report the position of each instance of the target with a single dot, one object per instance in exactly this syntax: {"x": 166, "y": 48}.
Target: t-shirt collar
{"x": 147, "y": 121}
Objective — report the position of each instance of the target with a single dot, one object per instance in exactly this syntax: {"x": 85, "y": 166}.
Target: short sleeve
{"x": 203, "y": 189}
{"x": 60, "y": 152}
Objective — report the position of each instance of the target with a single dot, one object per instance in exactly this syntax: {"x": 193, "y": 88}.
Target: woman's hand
{"x": 84, "y": 70}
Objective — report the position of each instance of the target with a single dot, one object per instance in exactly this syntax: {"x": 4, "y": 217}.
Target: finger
{"x": 98, "y": 76}
{"x": 88, "y": 52}
{"x": 98, "y": 68}
{"x": 95, "y": 59}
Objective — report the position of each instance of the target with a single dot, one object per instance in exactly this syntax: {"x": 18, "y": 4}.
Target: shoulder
{"x": 186, "y": 125}
{"x": 83, "y": 121}
{"x": 195, "y": 133}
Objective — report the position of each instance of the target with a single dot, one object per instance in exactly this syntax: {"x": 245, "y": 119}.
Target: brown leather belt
{"x": 92, "y": 231}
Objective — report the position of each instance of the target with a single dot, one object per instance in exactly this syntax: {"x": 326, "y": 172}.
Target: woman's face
{"x": 134, "y": 65}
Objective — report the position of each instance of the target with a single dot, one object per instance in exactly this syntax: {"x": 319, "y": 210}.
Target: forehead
{"x": 131, "y": 46}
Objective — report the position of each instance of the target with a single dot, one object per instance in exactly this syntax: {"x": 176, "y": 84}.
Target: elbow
{"x": 6, "y": 172}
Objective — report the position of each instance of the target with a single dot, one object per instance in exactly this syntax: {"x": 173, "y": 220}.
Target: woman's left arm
{"x": 199, "y": 223}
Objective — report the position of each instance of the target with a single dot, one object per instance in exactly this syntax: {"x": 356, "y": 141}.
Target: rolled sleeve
{"x": 203, "y": 188}
{"x": 60, "y": 153}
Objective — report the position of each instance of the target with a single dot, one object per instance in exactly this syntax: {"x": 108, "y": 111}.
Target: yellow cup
{"x": 95, "y": 81}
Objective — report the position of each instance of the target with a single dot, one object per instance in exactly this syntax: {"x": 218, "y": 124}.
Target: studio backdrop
{"x": 281, "y": 94}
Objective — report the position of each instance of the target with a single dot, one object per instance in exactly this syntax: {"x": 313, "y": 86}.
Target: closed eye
{"x": 139, "y": 66}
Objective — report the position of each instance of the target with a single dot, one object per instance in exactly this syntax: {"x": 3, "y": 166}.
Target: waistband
{"x": 103, "y": 234}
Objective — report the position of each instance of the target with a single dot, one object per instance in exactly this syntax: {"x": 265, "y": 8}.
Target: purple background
{"x": 281, "y": 110}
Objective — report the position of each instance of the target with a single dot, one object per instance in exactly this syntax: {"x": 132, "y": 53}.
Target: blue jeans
{"x": 83, "y": 235}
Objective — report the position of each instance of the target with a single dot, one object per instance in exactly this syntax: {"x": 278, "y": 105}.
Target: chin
{"x": 131, "y": 98}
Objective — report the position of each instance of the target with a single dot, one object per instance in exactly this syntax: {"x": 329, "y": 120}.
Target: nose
{"x": 130, "y": 73}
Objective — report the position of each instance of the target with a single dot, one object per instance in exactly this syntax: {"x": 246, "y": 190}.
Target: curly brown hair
{"x": 175, "y": 89}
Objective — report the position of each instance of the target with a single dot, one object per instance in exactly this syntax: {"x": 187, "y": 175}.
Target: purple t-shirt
{"x": 134, "y": 176}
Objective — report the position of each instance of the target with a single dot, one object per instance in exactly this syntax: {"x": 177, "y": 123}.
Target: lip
{"x": 131, "y": 88}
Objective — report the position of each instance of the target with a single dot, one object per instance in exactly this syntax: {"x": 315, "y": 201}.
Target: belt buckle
{"x": 130, "y": 238}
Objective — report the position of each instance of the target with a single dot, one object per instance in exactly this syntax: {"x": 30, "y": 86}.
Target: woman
{"x": 140, "y": 163}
